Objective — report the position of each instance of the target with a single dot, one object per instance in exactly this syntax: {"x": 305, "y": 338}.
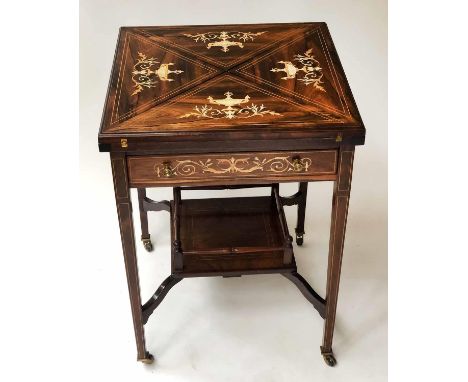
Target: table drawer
{"x": 226, "y": 168}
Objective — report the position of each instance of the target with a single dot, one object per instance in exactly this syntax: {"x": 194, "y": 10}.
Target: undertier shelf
{"x": 238, "y": 235}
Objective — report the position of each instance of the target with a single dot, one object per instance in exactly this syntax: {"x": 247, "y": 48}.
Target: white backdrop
{"x": 254, "y": 328}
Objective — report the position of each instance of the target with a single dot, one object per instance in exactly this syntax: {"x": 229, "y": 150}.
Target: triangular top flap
{"x": 149, "y": 73}
{"x": 223, "y": 45}
{"x": 227, "y": 102}
{"x": 300, "y": 67}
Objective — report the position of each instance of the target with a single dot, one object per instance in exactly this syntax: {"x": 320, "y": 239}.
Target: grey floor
{"x": 254, "y": 328}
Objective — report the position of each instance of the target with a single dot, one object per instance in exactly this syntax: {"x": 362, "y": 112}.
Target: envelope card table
{"x": 229, "y": 106}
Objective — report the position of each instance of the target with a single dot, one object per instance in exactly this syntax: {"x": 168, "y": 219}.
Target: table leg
{"x": 341, "y": 193}
{"x": 301, "y": 208}
{"x": 124, "y": 211}
{"x": 145, "y": 236}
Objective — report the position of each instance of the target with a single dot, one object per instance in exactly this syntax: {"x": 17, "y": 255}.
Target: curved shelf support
{"x": 309, "y": 293}
{"x": 291, "y": 200}
{"x": 151, "y": 205}
{"x": 149, "y": 307}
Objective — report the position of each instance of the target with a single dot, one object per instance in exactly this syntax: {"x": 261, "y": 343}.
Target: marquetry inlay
{"x": 244, "y": 165}
{"x": 310, "y": 66}
{"x": 145, "y": 77}
{"x": 246, "y": 80}
{"x": 224, "y": 39}
{"x": 229, "y": 107}
{"x": 230, "y": 110}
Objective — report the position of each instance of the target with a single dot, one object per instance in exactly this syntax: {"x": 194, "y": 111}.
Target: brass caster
{"x": 329, "y": 358}
{"x": 148, "y": 245}
{"x": 299, "y": 239}
{"x": 148, "y": 360}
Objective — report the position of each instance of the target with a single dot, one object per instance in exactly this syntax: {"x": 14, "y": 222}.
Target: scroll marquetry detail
{"x": 229, "y": 112}
{"x": 223, "y": 39}
{"x": 230, "y": 168}
{"x": 233, "y": 165}
{"x": 144, "y": 76}
{"x": 310, "y": 66}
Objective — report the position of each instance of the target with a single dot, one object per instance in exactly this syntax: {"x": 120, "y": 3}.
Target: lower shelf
{"x": 231, "y": 236}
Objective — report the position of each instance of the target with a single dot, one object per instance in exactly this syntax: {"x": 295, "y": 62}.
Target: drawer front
{"x": 256, "y": 167}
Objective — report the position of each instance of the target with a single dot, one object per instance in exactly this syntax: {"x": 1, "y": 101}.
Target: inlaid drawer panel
{"x": 222, "y": 168}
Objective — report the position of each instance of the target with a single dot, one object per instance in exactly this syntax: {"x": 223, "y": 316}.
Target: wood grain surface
{"x": 146, "y": 171}
{"x": 233, "y": 81}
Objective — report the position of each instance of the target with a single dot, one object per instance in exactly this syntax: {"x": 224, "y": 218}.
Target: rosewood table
{"x": 229, "y": 106}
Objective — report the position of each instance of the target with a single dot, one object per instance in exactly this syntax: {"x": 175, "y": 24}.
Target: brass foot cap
{"x": 299, "y": 239}
{"x": 148, "y": 360}
{"x": 328, "y": 357}
{"x": 148, "y": 245}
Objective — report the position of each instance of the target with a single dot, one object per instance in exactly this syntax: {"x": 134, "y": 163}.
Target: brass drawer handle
{"x": 298, "y": 165}
{"x": 167, "y": 170}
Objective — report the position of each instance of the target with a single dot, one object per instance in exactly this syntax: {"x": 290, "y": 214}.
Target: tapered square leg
{"x": 124, "y": 211}
{"x": 341, "y": 194}
{"x": 145, "y": 236}
{"x": 301, "y": 208}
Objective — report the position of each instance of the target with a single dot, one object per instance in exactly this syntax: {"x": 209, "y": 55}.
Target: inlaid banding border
{"x": 344, "y": 180}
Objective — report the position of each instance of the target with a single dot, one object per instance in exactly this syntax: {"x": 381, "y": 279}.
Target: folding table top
{"x": 237, "y": 80}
